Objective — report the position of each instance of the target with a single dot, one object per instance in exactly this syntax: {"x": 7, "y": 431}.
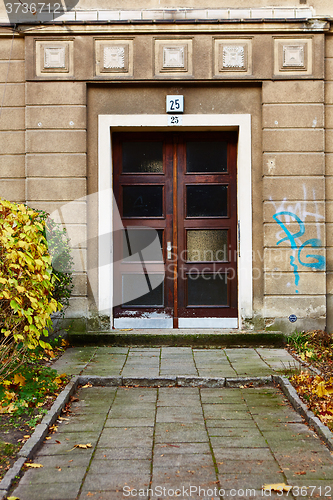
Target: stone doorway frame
{"x": 198, "y": 122}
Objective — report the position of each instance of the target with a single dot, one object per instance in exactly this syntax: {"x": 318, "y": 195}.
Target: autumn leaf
{"x": 7, "y": 409}
{"x": 277, "y": 487}
{"x": 33, "y": 466}
{"x": 13, "y": 498}
{"x": 81, "y": 446}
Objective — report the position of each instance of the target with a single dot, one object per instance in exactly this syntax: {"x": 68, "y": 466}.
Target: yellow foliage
{"x": 26, "y": 281}
{"x": 19, "y": 379}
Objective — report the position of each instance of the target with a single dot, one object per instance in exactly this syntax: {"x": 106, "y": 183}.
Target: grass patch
{"x": 26, "y": 395}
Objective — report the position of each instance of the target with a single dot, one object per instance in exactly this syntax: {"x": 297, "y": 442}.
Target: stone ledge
{"x": 172, "y": 14}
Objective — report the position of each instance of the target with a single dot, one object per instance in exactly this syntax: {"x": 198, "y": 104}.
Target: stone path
{"x": 176, "y": 440}
{"x": 150, "y": 362}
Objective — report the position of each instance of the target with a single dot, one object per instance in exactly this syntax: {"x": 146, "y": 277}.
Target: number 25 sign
{"x": 174, "y": 104}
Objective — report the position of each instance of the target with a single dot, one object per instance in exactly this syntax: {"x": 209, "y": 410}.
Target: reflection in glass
{"x": 143, "y": 290}
{"x": 142, "y": 157}
{"x": 207, "y": 290}
{"x": 207, "y": 245}
{"x": 207, "y": 200}
{"x": 142, "y": 245}
{"x": 206, "y": 157}
{"x": 142, "y": 201}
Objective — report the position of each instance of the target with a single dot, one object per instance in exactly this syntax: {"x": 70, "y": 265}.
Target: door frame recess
{"x": 200, "y": 122}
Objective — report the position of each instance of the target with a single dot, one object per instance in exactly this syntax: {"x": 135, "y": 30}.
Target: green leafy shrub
{"x": 27, "y": 284}
{"x": 62, "y": 260}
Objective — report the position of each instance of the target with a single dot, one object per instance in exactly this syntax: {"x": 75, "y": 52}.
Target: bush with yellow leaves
{"x": 26, "y": 283}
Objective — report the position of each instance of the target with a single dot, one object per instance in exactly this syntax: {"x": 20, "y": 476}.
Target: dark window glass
{"x": 206, "y": 157}
{"x": 207, "y": 200}
{"x": 142, "y": 244}
{"x": 142, "y": 201}
{"x": 142, "y": 157}
{"x": 143, "y": 290}
{"x": 207, "y": 290}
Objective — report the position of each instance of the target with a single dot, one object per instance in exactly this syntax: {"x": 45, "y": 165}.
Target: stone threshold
{"x": 33, "y": 444}
{"x": 179, "y": 338}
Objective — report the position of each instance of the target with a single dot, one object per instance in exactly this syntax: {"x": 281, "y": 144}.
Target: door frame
{"x": 193, "y": 123}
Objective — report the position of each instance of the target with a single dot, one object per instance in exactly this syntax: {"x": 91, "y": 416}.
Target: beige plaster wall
{"x": 329, "y": 175}
{"x": 56, "y": 166}
{"x": 12, "y": 119}
{"x": 293, "y": 169}
{"x": 48, "y": 127}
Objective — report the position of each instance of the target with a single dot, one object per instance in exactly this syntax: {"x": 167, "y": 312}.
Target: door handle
{"x": 169, "y": 248}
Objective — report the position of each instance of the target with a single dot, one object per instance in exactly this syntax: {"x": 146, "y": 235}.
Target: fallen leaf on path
{"x": 300, "y": 473}
{"x": 34, "y": 466}
{"x": 87, "y": 385}
{"x": 81, "y": 446}
{"x": 277, "y": 487}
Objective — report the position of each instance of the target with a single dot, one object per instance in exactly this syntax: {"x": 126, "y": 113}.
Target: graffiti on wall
{"x": 299, "y": 256}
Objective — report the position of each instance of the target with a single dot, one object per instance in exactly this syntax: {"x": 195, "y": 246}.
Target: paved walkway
{"x": 178, "y": 442}
{"x": 141, "y": 362}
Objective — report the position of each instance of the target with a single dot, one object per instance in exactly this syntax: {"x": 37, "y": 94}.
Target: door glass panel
{"x": 142, "y": 245}
{"x": 207, "y": 290}
{"x": 143, "y": 290}
{"x": 142, "y": 201}
{"x": 206, "y": 157}
{"x": 207, "y": 200}
{"x": 142, "y": 157}
{"x": 207, "y": 245}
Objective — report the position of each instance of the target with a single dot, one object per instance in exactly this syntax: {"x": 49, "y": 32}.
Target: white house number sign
{"x": 174, "y": 105}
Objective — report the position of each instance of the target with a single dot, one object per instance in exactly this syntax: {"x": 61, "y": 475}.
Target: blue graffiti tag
{"x": 319, "y": 262}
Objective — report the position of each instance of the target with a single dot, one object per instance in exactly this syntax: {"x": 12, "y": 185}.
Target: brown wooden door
{"x": 176, "y": 258}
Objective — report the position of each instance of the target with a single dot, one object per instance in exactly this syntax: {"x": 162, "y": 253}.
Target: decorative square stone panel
{"x": 173, "y": 56}
{"x": 293, "y": 56}
{"x": 55, "y": 58}
{"x": 114, "y": 56}
{"x": 232, "y": 57}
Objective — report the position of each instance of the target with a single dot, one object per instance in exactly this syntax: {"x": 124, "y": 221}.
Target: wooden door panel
{"x": 186, "y": 193}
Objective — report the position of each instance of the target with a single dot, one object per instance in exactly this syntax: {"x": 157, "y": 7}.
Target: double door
{"x": 175, "y": 256}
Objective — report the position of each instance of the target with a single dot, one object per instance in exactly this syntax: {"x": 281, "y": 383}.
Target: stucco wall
{"x": 48, "y": 143}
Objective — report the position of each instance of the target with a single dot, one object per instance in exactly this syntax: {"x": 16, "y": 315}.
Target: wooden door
{"x": 176, "y": 258}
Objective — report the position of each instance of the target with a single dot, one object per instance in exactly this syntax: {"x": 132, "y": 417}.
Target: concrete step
{"x": 179, "y": 337}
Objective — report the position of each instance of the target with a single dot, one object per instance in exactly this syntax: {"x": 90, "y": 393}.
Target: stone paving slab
{"x": 170, "y": 437}
{"x": 115, "y": 361}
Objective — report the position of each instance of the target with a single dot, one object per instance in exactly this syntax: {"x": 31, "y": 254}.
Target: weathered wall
{"x": 56, "y": 164}
{"x": 12, "y": 118}
{"x": 48, "y": 144}
{"x": 329, "y": 176}
{"x": 294, "y": 182}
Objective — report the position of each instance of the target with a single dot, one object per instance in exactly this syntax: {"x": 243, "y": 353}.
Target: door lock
{"x": 169, "y": 248}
